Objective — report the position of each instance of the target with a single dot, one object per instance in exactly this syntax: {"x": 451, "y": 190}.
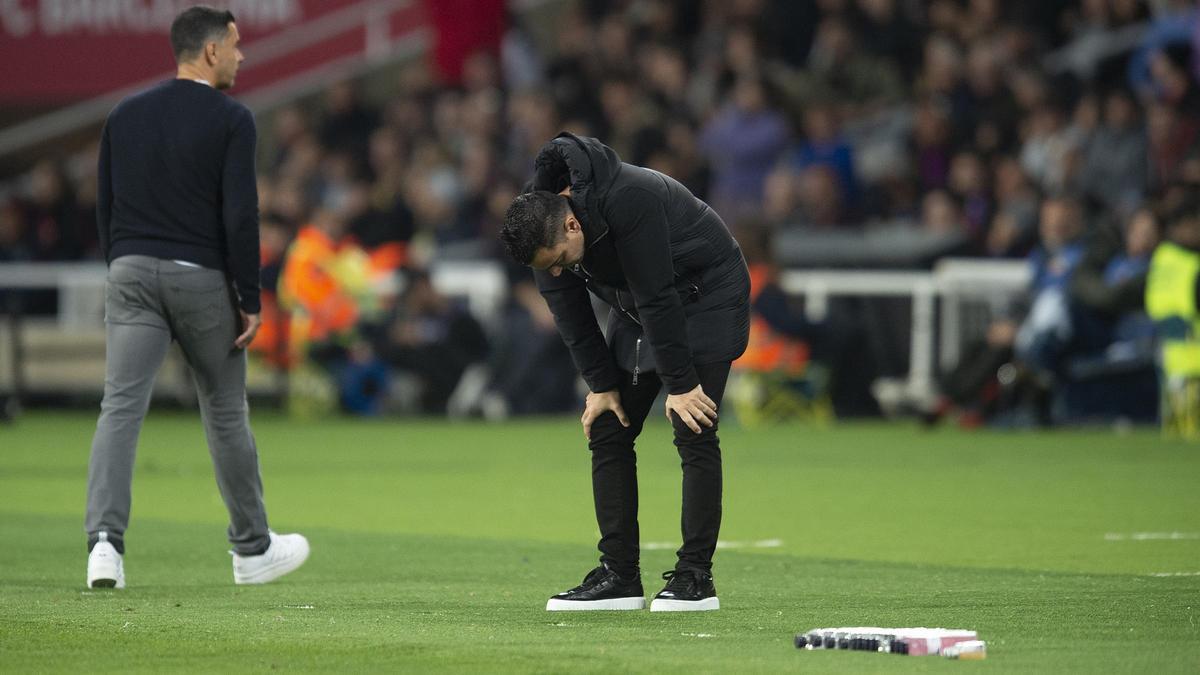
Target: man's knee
{"x": 125, "y": 403}
{"x": 228, "y": 410}
{"x": 685, "y": 436}
{"x": 608, "y": 434}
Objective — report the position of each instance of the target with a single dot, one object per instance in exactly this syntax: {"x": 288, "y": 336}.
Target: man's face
{"x": 566, "y": 252}
{"x": 1057, "y": 224}
{"x": 227, "y": 59}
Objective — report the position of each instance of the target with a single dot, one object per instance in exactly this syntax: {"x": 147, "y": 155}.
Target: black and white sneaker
{"x": 602, "y": 588}
{"x": 686, "y": 591}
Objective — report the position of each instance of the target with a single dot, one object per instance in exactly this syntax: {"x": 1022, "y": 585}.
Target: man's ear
{"x": 572, "y": 224}
{"x": 210, "y": 53}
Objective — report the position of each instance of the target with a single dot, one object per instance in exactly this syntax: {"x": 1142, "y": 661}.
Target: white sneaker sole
{"x": 556, "y": 605}
{"x": 705, "y": 605}
{"x": 272, "y": 572}
{"x": 106, "y": 581}
{"x": 105, "y": 571}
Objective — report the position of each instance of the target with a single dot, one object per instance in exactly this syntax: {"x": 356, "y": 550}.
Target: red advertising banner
{"x": 54, "y": 51}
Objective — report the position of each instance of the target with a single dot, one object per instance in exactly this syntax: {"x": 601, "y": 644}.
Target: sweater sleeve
{"x": 104, "y": 195}
{"x": 239, "y": 194}
{"x": 638, "y": 221}
{"x": 571, "y": 304}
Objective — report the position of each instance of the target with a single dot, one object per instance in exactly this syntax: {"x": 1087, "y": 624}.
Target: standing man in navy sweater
{"x": 177, "y": 208}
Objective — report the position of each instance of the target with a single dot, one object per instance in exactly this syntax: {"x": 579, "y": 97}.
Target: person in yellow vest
{"x": 1171, "y": 289}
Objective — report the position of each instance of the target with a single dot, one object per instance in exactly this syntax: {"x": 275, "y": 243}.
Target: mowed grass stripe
{"x": 872, "y": 492}
{"x": 434, "y": 602}
{"x": 436, "y": 544}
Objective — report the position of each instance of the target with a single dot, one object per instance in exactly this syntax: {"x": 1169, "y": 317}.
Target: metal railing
{"x": 80, "y": 288}
{"x": 952, "y": 282}
{"x": 937, "y": 300}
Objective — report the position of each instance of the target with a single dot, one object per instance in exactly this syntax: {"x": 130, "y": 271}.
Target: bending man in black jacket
{"x": 679, "y": 291}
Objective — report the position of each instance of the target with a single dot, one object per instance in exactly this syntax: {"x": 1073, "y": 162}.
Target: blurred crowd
{"x": 1065, "y": 132}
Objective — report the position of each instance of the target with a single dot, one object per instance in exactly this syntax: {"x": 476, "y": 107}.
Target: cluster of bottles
{"x": 955, "y": 644}
{"x": 855, "y": 641}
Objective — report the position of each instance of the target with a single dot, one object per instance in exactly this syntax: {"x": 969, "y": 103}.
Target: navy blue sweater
{"x": 177, "y": 181}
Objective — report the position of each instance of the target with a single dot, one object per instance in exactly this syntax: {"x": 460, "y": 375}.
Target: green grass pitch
{"x": 435, "y": 546}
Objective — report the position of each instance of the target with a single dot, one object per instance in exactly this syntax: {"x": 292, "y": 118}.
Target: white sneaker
{"x": 286, "y": 553}
{"x": 106, "y": 567}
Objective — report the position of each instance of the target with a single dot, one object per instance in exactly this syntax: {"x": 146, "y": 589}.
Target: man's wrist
{"x": 684, "y": 384}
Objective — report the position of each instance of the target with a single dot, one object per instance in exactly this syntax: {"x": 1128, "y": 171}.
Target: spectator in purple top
{"x": 931, "y": 138}
{"x": 742, "y": 142}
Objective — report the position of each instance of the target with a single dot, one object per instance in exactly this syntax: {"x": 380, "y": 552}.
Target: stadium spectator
{"x": 12, "y": 235}
{"x": 428, "y": 336}
{"x": 1037, "y": 344}
{"x": 932, "y": 144}
{"x": 1110, "y": 280}
{"x": 348, "y": 121}
{"x": 532, "y": 369}
{"x": 824, "y": 145}
{"x": 1047, "y": 329}
{"x": 941, "y": 212}
{"x": 968, "y": 184}
{"x": 1013, "y": 230}
{"x": 1115, "y": 161}
{"x": 742, "y": 142}
{"x": 271, "y": 343}
{"x": 50, "y": 216}
{"x": 1171, "y": 301}
{"x": 841, "y": 72}
{"x": 1109, "y": 367}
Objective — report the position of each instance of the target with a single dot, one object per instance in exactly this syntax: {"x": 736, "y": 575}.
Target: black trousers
{"x": 614, "y": 475}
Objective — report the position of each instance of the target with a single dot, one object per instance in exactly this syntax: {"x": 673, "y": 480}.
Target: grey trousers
{"x": 150, "y": 302}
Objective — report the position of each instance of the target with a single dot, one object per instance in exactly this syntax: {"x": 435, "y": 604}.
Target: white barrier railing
{"x": 80, "y": 289}
{"x": 953, "y": 281}
{"x": 961, "y": 280}
{"x": 951, "y": 284}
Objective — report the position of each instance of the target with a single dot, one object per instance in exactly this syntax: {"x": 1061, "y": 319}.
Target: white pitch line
{"x": 1174, "y": 574}
{"x": 1151, "y": 536}
{"x": 761, "y": 543}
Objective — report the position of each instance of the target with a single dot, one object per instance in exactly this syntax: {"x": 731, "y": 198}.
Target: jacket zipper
{"x": 587, "y": 276}
{"x": 637, "y": 348}
{"x": 637, "y": 360}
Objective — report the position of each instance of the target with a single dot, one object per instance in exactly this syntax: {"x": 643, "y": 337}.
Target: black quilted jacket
{"x": 666, "y": 263}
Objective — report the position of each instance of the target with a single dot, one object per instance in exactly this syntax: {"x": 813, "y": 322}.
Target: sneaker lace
{"x": 679, "y": 581}
{"x": 594, "y": 575}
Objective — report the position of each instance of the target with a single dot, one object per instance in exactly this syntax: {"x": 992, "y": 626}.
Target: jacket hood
{"x": 589, "y": 167}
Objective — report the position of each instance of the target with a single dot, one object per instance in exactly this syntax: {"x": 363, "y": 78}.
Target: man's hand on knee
{"x": 599, "y": 403}
{"x": 694, "y": 408}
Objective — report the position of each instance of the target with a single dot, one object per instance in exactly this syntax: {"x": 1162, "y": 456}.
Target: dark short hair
{"x": 1180, "y": 205}
{"x": 533, "y": 221}
{"x": 196, "y": 26}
